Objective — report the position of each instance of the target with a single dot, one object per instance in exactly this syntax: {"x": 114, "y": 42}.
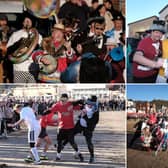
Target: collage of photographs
{"x": 83, "y": 84}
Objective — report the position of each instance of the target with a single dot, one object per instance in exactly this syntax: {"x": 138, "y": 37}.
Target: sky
{"x": 140, "y": 9}
{"x": 147, "y": 92}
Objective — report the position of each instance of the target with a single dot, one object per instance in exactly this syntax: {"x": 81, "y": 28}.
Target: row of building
{"x": 139, "y": 27}
{"x": 78, "y": 91}
{"x": 144, "y": 107}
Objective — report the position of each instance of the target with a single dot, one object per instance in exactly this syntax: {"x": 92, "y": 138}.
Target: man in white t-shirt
{"x": 28, "y": 117}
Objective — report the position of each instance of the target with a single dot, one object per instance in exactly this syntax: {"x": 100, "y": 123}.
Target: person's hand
{"x": 23, "y": 50}
{"x": 79, "y": 48}
{"x": 165, "y": 66}
{"x": 38, "y": 117}
{"x": 11, "y": 125}
{"x": 159, "y": 63}
{"x": 79, "y": 3}
{"x": 79, "y": 58}
{"x": 45, "y": 61}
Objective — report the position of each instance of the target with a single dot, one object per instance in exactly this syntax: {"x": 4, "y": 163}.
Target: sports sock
{"x": 35, "y": 153}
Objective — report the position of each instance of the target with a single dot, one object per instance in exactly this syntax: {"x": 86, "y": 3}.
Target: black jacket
{"x": 91, "y": 46}
{"x": 81, "y": 13}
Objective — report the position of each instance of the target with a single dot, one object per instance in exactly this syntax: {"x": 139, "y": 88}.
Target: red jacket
{"x": 152, "y": 119}
{"x": 65, "y": 114}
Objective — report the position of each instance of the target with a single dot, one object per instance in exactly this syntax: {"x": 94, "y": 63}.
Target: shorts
{"x": 43, "y": 133}
{"x": 33, "y": 135}
{"x": 79, "y": 129}
{"x": 65, "y": 134}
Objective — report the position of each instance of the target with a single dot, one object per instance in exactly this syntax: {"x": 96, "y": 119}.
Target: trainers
{"x": 29, "y": 160}
{"x": 81, "y": 157}
{"x": 91, "y": 160}
{"x": 57, "y": 158}
{"x": 37, "y": 162}
{"x": 43, "y": 157}
{"x": 76, "y": 155}
{"x": 4, "y": 135}
{"x": 3, "y": 165}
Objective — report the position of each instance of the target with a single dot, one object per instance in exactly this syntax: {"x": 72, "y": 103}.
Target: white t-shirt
{"x": 117, "y": 35}
{"x": 165, "y": 123}
{"x": 143, "y": 125}
{"x": 164, "y": 130}
{"x": 29, "y": 118}
{"x": 108, "y": 20}
{"x": 89, "y": 112}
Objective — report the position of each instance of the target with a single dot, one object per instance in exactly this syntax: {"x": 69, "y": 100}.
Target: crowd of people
{"x": 85, "y": 45}
{"x": 112, "y": 105}
{"x": 59, "y": 114}
{"x": 152, "y": 131}
{"x": 8, "y": 114}
{"x": 39, "y": 105}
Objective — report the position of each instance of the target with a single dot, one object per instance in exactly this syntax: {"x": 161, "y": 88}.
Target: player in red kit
{"x": 46, "y": 120}
{"x": 64, "y": 109}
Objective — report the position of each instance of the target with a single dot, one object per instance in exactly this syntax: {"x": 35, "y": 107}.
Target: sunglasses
{"x": 97, "y": 28}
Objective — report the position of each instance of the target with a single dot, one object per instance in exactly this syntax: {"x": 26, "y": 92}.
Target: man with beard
{"x": 60, "y": 51}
